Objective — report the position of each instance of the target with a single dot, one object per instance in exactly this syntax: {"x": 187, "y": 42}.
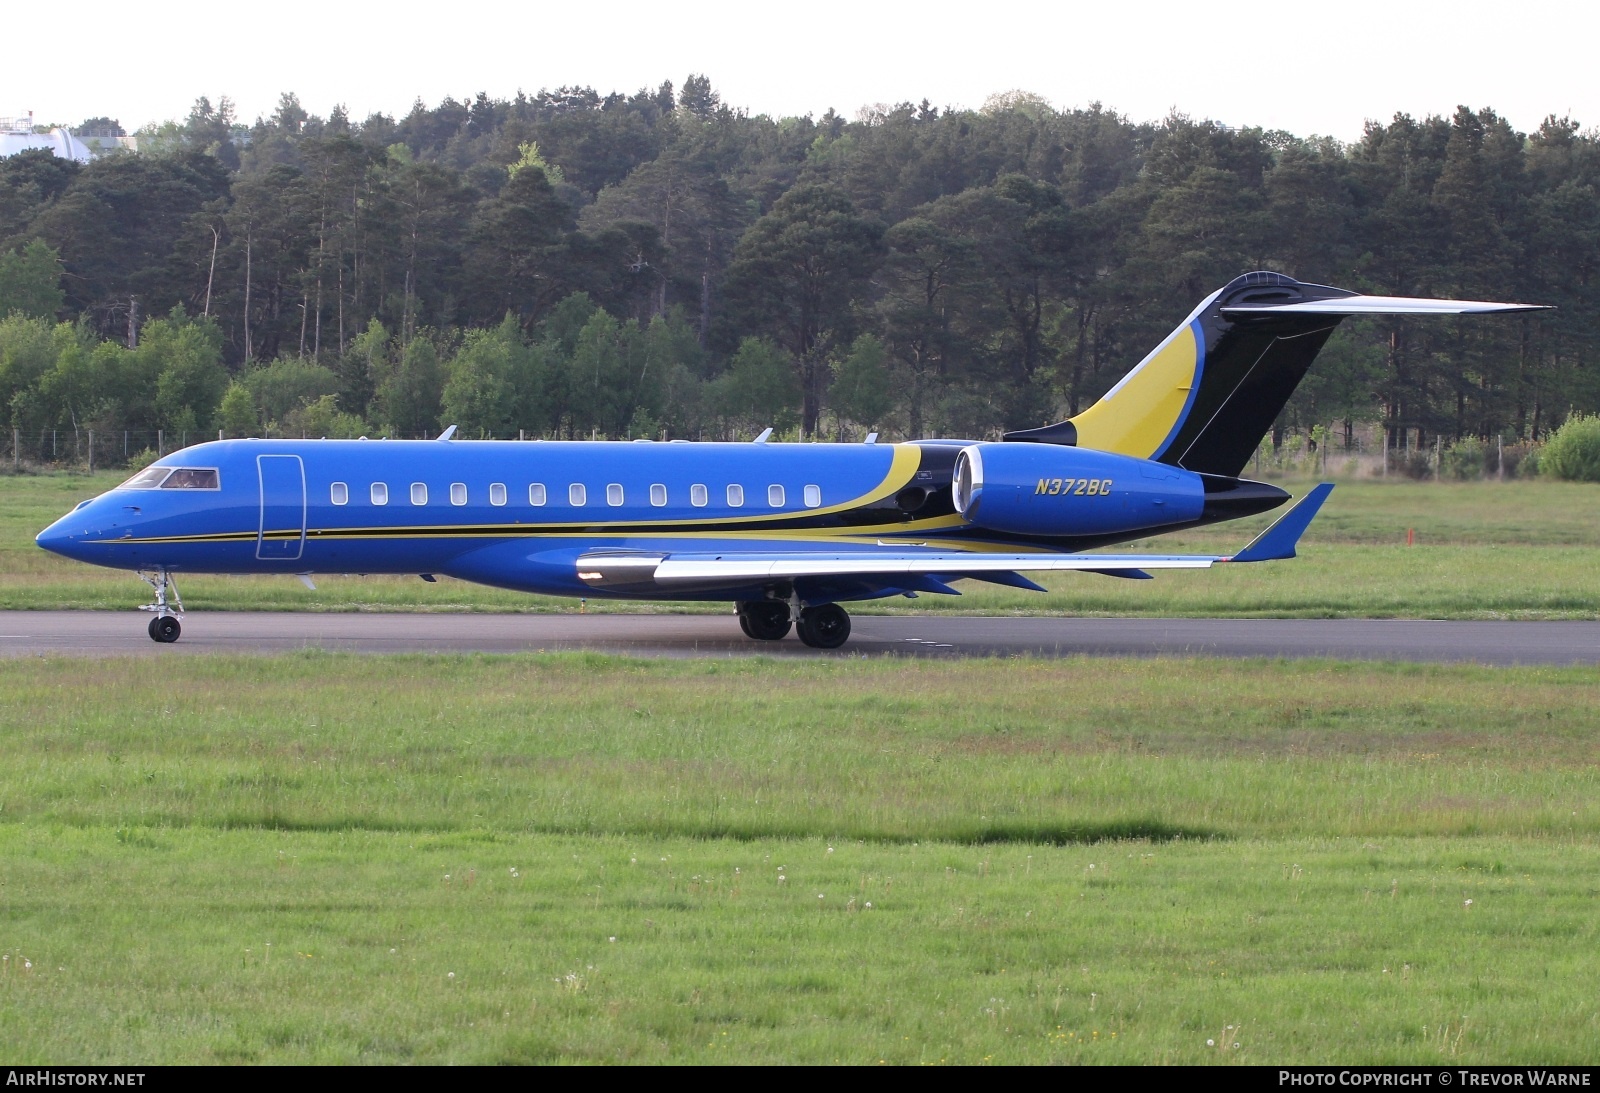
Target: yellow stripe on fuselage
{"x": 905, "y": 460}
{"x": 1137, "y": 415}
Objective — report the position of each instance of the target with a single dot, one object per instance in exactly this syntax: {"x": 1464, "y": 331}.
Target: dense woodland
{"x": 663, "y": 264}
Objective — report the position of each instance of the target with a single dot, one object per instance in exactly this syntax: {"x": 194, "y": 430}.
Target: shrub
{"x": 1573, "y": 453}
{"x": 1465, "y": 459}
{"x": 1520, "y": 460}
{"x": 1418, "y": 465}
{"x": 1527, "y": 465}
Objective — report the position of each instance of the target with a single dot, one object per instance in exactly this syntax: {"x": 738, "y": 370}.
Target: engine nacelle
{"x": 1051, "y": 489}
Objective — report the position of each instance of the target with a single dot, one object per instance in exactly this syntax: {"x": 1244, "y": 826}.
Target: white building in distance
{"x": 17, "y": 135}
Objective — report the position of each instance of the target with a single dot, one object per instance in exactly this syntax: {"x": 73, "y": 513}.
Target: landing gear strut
{"x": 764, "y": 620}
{"x": 165, "y": 627}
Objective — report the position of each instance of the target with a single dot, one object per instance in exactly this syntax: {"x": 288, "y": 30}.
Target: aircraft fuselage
{"x": 519, "y": 515}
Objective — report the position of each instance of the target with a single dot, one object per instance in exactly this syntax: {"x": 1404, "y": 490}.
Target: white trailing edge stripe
{"x": 849, "y": 565}
{"x": 1382, "y": 305}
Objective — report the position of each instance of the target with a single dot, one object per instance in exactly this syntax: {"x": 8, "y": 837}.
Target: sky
{"x": 1310, "y": 68}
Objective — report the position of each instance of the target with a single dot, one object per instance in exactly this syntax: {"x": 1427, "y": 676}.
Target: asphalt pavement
{"x": 101, "y": 634}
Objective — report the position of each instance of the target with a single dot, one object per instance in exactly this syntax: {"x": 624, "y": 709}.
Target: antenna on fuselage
{"x": 448, "y": 433}
{"x": 765, "y": 433}
{"x": 872, "y": 438}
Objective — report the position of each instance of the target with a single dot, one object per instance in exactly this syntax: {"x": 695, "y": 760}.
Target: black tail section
{"x": 1252, "y": 365}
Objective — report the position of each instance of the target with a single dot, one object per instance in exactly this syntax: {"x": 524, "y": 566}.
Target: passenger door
{"x": 282, "y": 534}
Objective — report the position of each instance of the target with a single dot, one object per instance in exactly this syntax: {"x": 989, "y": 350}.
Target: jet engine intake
{"x": 1045, "y": 489}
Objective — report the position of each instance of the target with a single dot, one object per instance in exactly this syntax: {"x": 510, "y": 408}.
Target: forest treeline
{"x": 661, "y": 264}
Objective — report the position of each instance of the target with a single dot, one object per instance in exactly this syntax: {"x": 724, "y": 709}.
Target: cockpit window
{"x": 191, "y": 478}
{"x": 147, "y": 479}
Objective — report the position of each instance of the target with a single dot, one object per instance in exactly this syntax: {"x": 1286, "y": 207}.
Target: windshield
{"x": 173, "y": 478}
{"x": 147, "y": 479}
{"x": 192, "y": 478}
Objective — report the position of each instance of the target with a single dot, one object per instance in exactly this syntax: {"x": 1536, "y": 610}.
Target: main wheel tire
{"x": 764, "y": 620}
{"x": 825, "y": 626}
{"x": 165, "y": 629}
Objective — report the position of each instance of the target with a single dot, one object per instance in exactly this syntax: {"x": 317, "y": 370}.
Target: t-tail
{"x": 1203, "y": 399}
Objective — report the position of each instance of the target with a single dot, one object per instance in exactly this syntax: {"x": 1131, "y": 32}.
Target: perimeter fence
{"x": 91, "y": 449}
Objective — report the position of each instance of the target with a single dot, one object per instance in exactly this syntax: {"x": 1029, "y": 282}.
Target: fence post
{"x": 91, "y": 451}
{"x": 16, "y": 448}
{"x": 161, "y": 440}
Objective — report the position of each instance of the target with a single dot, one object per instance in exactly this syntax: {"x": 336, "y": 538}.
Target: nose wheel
{"x": 165, "y": 627}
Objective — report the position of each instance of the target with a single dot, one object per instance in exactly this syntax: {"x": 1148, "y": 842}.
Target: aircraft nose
{"x": 56, "y": 538}
{"x": 67, "y": 536}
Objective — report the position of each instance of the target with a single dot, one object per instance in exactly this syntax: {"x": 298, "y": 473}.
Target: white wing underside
{"x": 682, "y": 568}
{"x": 1382, "y": 305}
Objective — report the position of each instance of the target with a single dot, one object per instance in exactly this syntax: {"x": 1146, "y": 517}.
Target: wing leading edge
{"x": 700, "y": 570}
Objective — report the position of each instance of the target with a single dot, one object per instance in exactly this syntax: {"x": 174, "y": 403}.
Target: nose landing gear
{"x": 165, "y": 627}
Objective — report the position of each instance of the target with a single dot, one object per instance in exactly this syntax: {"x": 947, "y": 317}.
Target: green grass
{"x": 1067, "y": 861}
{"x": 1512, "y": 550}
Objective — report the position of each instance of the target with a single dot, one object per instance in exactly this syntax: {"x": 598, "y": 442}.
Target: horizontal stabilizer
{"x": 1377, "y": 305}
{"x": 1279, "y": 540}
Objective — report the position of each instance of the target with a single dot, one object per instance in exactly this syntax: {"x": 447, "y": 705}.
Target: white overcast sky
{"x": 1301, "y": 65}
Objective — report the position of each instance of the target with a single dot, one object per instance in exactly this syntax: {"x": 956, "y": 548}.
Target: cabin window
{"x": 191, "y": 478}
{"x": 458, "y": 493}
{"x": 147, "y": 479}
{"x": 775, "y": 496}
{"x": 339, "y": 493}
{"x": 536, "y": 494}
{"x": 614, "y": 494}
{"x": 577, "y": 496}
{"x": 698, "y": 496}
{"x": 658, "y": 495}
{"x": 419, "y": 493}
{"x": 813, "y": 496}
{"x": 735, "y": 497}
{"x": 497, "y": 493}
{"x": 380, "y": 493}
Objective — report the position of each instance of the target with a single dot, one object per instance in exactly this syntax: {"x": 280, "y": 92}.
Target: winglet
{"x": 1279, "y": 540}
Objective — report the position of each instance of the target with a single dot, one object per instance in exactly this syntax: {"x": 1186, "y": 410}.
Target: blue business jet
{"x": 787, "y": 532}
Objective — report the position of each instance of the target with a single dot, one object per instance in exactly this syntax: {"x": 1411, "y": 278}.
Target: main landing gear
{"x": 165, "y": 627}
{"x": 823, "y": 626}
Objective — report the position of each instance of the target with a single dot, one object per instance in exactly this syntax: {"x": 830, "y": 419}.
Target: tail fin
{"x": 1205, "y": 396}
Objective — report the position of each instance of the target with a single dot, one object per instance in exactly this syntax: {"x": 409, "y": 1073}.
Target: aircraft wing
{"x": 1380, "y": 305}
{"x": 700, "y": 570}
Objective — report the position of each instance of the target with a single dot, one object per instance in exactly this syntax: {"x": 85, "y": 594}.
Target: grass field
{"x": 587, "y": 858}
{"x": 1492, "y": 550}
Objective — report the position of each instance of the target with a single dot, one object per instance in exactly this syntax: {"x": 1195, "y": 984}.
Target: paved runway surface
{"x": 96, "y": 634}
